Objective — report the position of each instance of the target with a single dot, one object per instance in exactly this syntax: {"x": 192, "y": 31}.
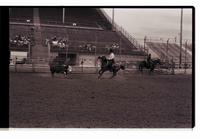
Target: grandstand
{"x": 82, "y": 17}
{"x": 171, "y": 50}
{"x": 24, "y": 45}
{"x": 84, "y": 34}
{"x": 189, "y": 46}
{"x": 80, "y": 35}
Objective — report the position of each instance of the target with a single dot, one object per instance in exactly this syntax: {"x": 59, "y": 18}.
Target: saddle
{"x": 110, "y": 65}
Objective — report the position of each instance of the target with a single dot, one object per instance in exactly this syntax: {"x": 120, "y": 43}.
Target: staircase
{"x": 38, "y": 51}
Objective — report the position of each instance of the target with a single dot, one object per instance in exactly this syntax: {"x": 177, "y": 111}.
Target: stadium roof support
{"x": 63, "y": 16}
{"x": 181, "y": 28}
{"x": 113, "y": 19}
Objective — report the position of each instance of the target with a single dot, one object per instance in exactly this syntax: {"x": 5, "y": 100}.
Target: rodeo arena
{"x": 61, "y": 76}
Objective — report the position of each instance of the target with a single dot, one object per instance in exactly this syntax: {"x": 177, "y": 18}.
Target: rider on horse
{"x": 111, "y": 60}
{"x": 149, "y": 60}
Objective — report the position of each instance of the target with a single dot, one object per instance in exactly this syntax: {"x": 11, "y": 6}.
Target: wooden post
{"x": 120, "y": 45}
{"x": 95, "y": 49}
{"x": 145, "y": 38}
{"x": 82, "y": 65}
{"x": 16, "y": 64}
{"x": 29, "y": 50}
{"x": 167, "y": 49}
{"x": 49, "y": 50}
{"x": 33, "y": 67}
{"x": 113, "y": 20}
{"x": 185, "y": 55}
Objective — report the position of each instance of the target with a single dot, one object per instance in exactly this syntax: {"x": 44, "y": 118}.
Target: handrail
{"x": 122, "y": 31}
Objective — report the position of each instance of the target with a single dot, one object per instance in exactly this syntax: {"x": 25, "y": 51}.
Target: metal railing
{"x": 122, "y": 31}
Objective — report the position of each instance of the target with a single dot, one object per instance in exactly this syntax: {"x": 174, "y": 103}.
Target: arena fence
{"x": 35, "y": 66}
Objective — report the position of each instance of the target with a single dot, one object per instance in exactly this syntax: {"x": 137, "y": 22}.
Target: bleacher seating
{"x": 173, "y": 51}
{"x": 25, "y": 33}
{"x": 89, "y": 17}
{"x": 81, "y": 37}
{"x": 87, "y": 31}
{"x": 189, "y": 47}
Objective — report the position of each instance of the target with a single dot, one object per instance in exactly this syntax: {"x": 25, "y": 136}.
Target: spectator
{"x": 46, "y": 41}
{"x": 55, "y": 42}
{"x": 20, "y": 40}
{"x": 60, "y": 43}
{"x": 54, "y": 38}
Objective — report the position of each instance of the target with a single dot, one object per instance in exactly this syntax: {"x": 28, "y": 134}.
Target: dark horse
{"x": 105, "y": 67}
{"x": 56, "y": 67}
{"x": 151, "y": 66}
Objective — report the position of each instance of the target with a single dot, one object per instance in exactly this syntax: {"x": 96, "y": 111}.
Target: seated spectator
{"x": 26, "y": 42}
{"x": 62, "y": 45}
{"x": 54, "y": 38}
{"x": 115, "y": 46}
{"x": 20, "y": 41}
{"x": 60, "y": 42}
{"x": 74, "y": 24}
{"x": 19, "y": 38}
{"x": 55, "y": 43}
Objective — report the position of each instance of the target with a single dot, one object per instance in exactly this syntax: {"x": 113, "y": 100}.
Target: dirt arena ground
{"x": 83, "y": 101}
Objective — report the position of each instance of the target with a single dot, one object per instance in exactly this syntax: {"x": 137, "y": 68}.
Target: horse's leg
{"x": 65, "y": 74}
{"x": 100, "y": 73}
{"x": 52, "y": 73}
{"x": 151, "y": 71}
{"x": 114, "y": 74}
{"x": 141, "y": 70}
{"x": 150, "y": 68}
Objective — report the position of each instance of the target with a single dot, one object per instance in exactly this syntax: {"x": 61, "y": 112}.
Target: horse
{"x": 56, "y": 67}
{"x": 150, "y": 66}
{"x": 105, "y": 67}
